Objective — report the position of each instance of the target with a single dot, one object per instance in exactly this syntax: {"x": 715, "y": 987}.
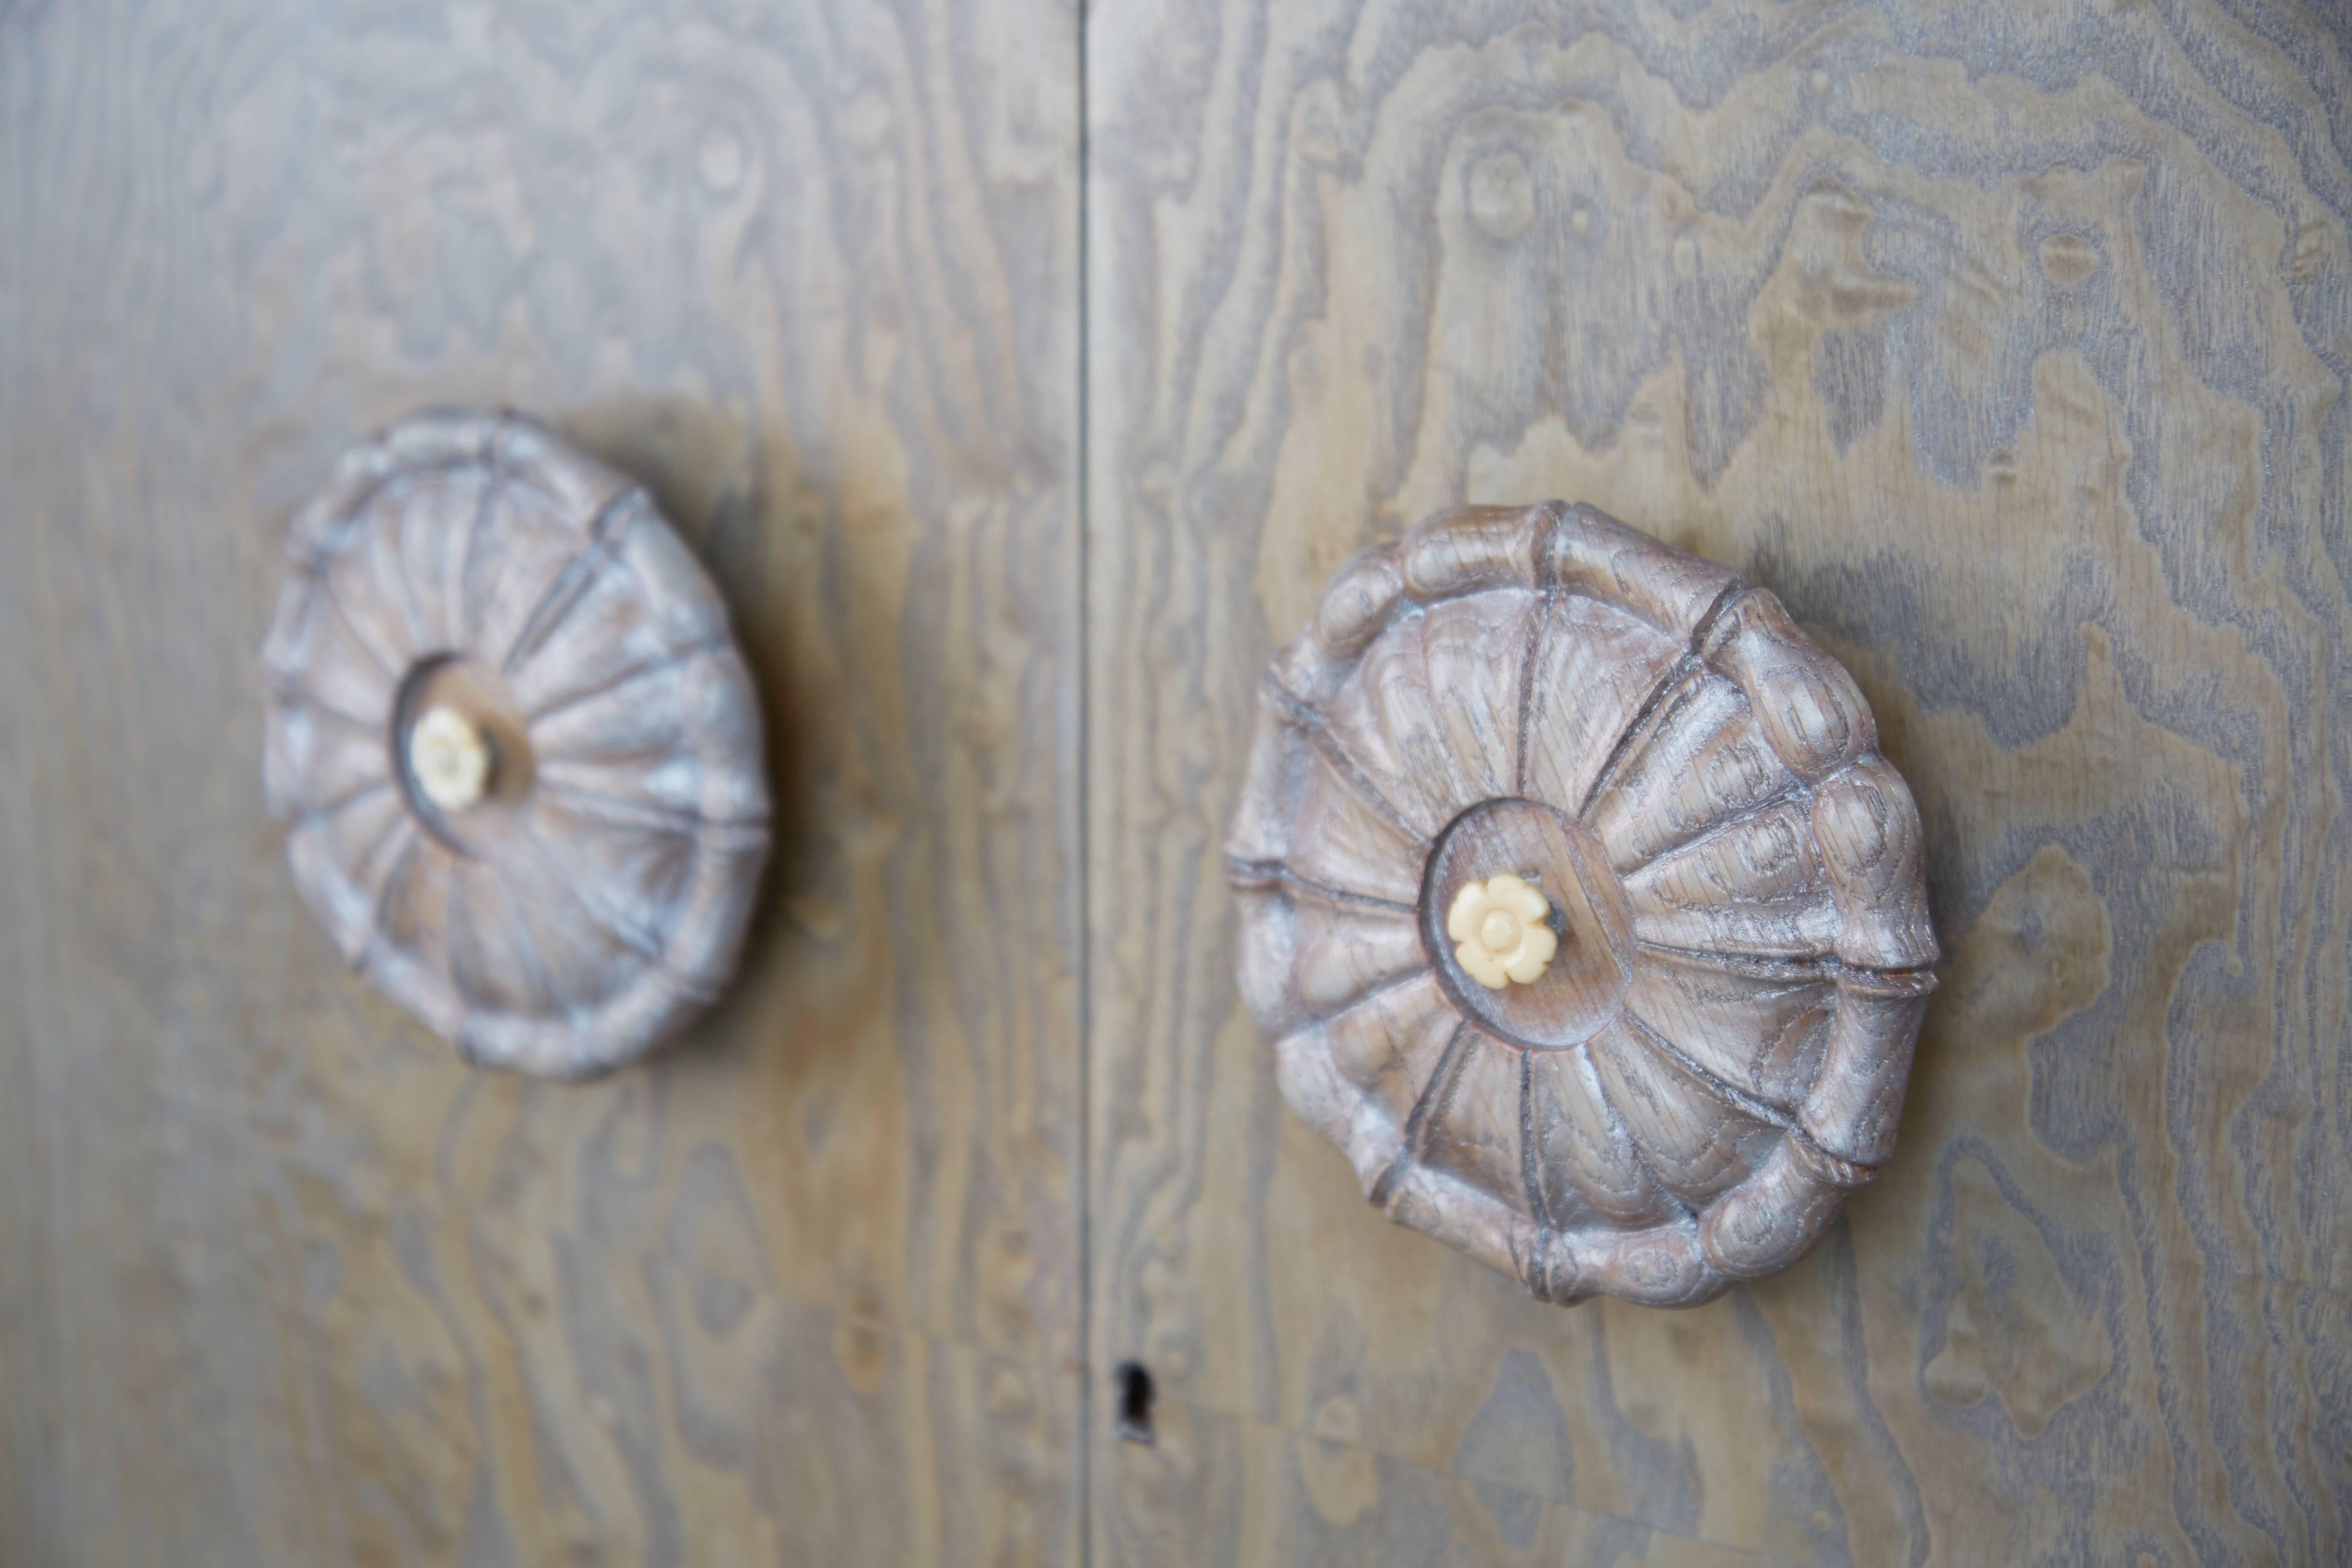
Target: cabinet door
{"x": 280, "y": 1280}
{"x": 2008, "y": 344}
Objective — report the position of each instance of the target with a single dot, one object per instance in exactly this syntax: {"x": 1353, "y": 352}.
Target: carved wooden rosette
{"x": 1718, "y": 1050}
{"x": 519, "y": 748}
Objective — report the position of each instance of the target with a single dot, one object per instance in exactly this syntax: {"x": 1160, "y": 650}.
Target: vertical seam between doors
{"x": 1083, "y": 1433}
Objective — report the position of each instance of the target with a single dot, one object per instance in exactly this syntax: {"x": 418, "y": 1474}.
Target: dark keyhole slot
{"x": 1134, "y": 1402}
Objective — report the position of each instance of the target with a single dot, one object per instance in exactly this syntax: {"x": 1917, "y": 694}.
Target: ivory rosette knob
{"x": 1586, "y": 919}
{"x": 516, "y": 744}
{"x": 450, "y": 758}
{"x": 1498, "y": 927}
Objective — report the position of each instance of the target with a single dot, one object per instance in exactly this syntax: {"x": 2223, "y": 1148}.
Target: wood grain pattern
{"x": 280, "y": 1280}
{"x": 2007, "y": 345}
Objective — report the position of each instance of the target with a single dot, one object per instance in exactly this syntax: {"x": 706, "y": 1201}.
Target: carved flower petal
{"x": 1536, "y": 945}
{"x": 1595, "y": 666}
{"x": 1304, "y": 817}
{"x": 1761, "y": 1026}
{"x": 1808, "y": 706}
{"x": 1868, "y": 832}
{"x": 1311, "y": 956}
{"x": 1430, "y": 718}
{"x": 619, "y": 621}
{"x": 1469, "y": 908}
{"x": 1356, "y": 1076}
{"x": 314, "y": 661}
{"x": 438, "y": 520}
{"x": 492, "y": 963}
{"x": 1698, "y": 1142}
{"x": 1473, "y": 650}
{"x": 1582, "y": 1168}
{"x": 1470, "y": 1123}
{"x": 1513, "y": 893}
{"x": 522, "y": 557}
{"x": 1485, "y": 967}
{"x": 681, "y": 755}
{"x": 1699, "y": 758}
{"x": 1755, "y": 886}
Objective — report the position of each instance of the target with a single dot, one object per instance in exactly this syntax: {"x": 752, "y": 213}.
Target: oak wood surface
{"x": 281, "y": 1281}
{"x": 2007, "y": 345}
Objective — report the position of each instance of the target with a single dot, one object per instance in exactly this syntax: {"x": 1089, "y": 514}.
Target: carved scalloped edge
{"x": 580, "y": 485}
{"x": 1816, "y": 722}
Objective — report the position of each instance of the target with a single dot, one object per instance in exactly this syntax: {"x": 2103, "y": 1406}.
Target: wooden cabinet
{"x": 1021, "y": 376}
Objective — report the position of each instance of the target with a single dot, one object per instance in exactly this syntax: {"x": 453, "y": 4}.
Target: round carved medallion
{"x": 517, "y": 744}
{"x": 1588, "y": 919}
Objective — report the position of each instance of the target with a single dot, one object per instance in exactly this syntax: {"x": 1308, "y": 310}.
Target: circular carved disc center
{"x": 1588, "y": 978}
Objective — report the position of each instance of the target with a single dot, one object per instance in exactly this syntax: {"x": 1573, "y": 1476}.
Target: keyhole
{"x": 1134, "y": 1402}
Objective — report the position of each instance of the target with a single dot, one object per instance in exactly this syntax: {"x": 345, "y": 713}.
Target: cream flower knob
{"x": 1500, "y": 926}
{"x": 451, "y": 758}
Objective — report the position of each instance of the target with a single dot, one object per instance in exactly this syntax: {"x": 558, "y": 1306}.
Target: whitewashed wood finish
{"x": 1717, "y": 1053}
{"x": 596, "y": 899}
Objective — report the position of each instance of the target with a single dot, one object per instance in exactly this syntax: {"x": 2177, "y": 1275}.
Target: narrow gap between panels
{"x": 1083, "y": 1165}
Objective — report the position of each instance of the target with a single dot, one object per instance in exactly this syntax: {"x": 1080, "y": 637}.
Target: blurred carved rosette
{"x": 579, "y": 889}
